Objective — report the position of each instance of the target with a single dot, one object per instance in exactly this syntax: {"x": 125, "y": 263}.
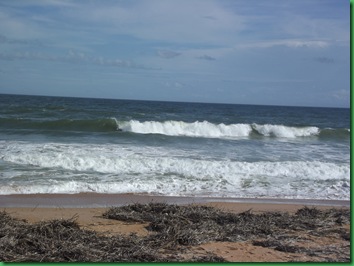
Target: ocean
{"x": 76, "y": 145}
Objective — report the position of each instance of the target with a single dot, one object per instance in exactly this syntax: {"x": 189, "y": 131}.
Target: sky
{"x": 273, "y": 52}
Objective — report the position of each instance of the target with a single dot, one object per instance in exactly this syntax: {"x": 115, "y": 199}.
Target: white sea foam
{"x": 284, "y": 131}
{"x": 74, "y": 168}
{"x": 179, "y": 128}
{"x": 210, "y": 130}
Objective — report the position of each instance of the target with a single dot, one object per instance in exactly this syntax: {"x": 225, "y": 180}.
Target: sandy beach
{"x": 88, "y": 209}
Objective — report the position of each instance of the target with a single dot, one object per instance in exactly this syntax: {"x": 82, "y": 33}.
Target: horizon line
{"x": 171, "y": 101}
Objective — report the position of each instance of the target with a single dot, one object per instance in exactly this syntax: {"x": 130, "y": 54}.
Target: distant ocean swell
{"x": 203, "y": 129}
{"x": 90, "y": 125}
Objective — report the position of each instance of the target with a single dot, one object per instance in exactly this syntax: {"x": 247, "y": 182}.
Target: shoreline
{"x": 99, "y": 200}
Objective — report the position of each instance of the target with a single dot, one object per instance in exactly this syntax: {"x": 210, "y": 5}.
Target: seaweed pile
{"x": 177, "y": 226}
{"x": 64, "y": 241}
{"x": 173, "y": 230}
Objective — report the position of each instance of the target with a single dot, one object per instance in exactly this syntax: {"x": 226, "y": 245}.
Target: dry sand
{"x": 36, "y": 208}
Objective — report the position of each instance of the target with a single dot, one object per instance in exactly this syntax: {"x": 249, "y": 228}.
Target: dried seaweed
{"x": 175, "y": 225}
{"x": 64, "y": 241}
{"x": 173, "y": 229}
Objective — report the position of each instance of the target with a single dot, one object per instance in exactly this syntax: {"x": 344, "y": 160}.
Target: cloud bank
{"x": 220, "y": 50}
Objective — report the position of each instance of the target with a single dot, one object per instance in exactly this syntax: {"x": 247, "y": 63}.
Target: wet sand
{"x": 95, "y": 200}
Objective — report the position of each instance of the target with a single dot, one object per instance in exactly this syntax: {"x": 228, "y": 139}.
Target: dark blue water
{"x": 73, "y": 145}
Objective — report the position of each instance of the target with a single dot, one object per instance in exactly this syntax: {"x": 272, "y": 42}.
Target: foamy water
{"x": 206, "y": 129}
{"x": 124, "y": 169}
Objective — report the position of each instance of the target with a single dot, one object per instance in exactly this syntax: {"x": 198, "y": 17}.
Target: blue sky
{"x": 273, "y": 52}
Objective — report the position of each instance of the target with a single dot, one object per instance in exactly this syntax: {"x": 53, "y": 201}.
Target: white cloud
{"x": 324, "y": 60}
{"x": 316, "y": 28}
{"x": 17, "y": 28}
{"x": 71, "y": 57}
{"x": 174, "y": 84}
{"x": 341, "y": 94}
{"x": 179, "y": 22}
{"x": 173, "y": 21}
{"x": 292, "y": 43}
{"x": 206, "y": 57}
{"x": 167, "y": 54}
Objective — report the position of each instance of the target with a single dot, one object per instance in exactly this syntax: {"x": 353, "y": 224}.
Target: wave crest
{"x": 284, "y": 131}
{"x": 209, "y": 130}
{"x": 179, "y": 128}
{"x": 197, "y": 129}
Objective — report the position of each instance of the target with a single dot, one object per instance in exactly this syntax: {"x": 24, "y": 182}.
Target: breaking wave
{"x": 209, "y": 130}
{"x": 198, "y": 129}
